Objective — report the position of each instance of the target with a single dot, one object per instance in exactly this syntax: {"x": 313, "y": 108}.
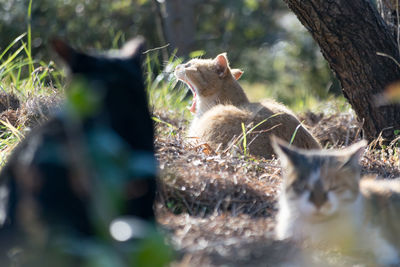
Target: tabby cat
{"x": 220, "y": 106}
{"x": 324, "y": 203}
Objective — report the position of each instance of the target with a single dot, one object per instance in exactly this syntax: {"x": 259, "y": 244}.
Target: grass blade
{"x": 11, "y": 58}
{"x": 295, "y": 132}
{"x": 244, "y": 139}
{"x": 29, "y": 52}
{"x": 11, "y": 45}
{"x": 156, "y": 119}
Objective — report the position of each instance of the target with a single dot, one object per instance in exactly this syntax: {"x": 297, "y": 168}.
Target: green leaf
{"x": 197, "y": 53}
{"x": 83, "y": 101}
{"x": 153, "y": 252}
{"x": 251, "y": 4}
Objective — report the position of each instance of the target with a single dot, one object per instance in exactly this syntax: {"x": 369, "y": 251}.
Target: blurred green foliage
{"x": 152, "y": 252}
{"x": 261, "y": 36}
{"x": 87, "y": 23}
{"x": 292, "y": 70}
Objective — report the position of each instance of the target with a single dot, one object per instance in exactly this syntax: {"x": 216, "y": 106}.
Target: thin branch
{"x": 388, "y": 56}
{"x": 155, "y": 49}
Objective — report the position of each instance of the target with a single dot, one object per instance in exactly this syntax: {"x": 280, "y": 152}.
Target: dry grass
{"x": 29, "y": 112}
{"x": 335, "y": 130}
{"x": 219, "y": 208}
{"x": 18, "y": 114}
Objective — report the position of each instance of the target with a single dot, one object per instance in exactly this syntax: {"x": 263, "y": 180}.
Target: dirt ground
{"x": 218, "y": 209}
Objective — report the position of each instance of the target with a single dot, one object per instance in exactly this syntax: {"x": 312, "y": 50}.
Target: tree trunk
{"x": 350, "y": 33}
{"x": 178, "y": 17}
{"x": 160, "y": 27}
{"x": 388, "y": 10}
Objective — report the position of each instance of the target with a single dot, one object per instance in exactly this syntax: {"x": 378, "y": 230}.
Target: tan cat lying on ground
{"x": 324, "y": 203}
{"x": 220, "y": 107}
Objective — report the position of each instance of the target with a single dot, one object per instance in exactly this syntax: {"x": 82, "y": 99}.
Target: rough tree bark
{"x": 179, "y": 24}
{"x": 350, "y": 33}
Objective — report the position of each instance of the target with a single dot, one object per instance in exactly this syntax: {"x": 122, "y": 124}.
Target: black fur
{"x": 52, "y": 177}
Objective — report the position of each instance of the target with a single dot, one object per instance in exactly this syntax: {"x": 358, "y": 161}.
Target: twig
{"x": 262, "y": 206}
{"x": 185, "y": 202}
{"x": 155, "y": 49}
{"x": 388, "y": 56}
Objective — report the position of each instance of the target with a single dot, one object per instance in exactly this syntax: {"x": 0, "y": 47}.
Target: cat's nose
{"x": 318, "y": 198}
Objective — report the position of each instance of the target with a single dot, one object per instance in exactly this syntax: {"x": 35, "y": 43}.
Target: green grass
{"x": 243, "y": 137}
{"x": 22, "y": 75}
{"x": 26, "y": 77}
{"x": 295, "y": 132}
{"x": 164, "y": 91}
{"x": 10, "y": 137}
{"x": 244, "y": 142}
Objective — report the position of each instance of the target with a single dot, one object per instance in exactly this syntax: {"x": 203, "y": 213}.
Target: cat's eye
{"x": 187, "y": 65}
{"x": 300, "y": 188}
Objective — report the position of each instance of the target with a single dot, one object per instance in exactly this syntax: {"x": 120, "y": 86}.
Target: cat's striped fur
{"x": 325, "y": 203}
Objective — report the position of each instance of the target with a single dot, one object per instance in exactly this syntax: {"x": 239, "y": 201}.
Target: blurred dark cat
{"x": 90, "y": 163}
{"x": 324, "y": 203}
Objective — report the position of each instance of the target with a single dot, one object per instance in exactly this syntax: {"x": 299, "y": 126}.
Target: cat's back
{"x": 380, "y": 189}
{"x": 275, "y": 118}
{"x": 222, "y": 124}
{"x": 382, "y": 198}
{"x": 270, "y": 105}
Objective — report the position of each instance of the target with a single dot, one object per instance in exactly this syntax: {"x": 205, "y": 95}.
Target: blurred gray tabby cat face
{"x": 324, "y": 203}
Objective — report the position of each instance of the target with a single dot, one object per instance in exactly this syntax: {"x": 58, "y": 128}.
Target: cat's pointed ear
{"x": 222, "y": 65}
{"x": 288, "y": 155}
{"x": 66, "y": 52}
{"x": 237, "y": 73}
{"x": 353, "y": 155}
{"x": 133, "y": 49}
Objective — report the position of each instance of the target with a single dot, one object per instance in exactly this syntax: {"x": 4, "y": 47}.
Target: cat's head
{"x": 113, "y": 81}
{"x": 205, "y": 77}
{"x": 319, "y": 184}
{"x": 106, "y": 67}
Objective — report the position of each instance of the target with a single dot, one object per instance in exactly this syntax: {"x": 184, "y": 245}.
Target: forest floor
{"x": 219, "y": 208}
